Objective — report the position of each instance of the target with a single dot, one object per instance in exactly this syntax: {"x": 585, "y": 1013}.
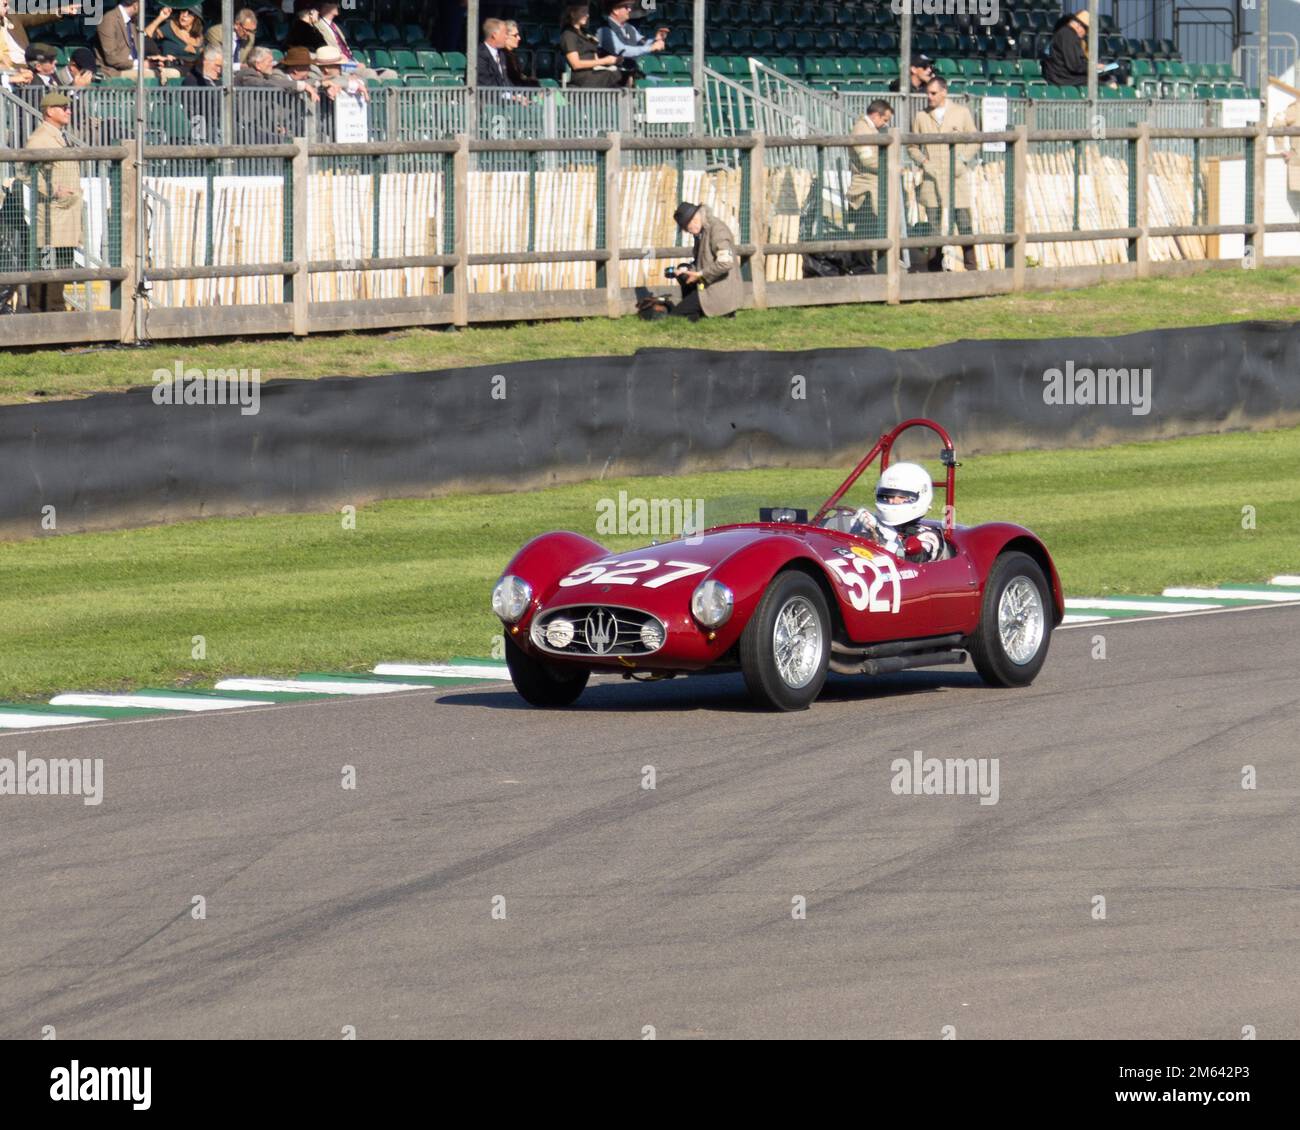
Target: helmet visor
{"x": 896, "y": 497}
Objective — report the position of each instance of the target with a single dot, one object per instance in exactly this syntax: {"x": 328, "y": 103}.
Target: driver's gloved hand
{"x": 865, "y": 524}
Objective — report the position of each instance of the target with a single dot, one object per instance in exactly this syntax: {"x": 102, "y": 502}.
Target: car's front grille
{"x": 598, "y": 629}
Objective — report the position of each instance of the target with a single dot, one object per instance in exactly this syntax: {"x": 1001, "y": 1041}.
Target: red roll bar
{"x": 884, "y": 445}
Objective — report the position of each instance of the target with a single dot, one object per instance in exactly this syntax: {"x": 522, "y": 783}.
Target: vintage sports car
{"x": 784, "y": 600}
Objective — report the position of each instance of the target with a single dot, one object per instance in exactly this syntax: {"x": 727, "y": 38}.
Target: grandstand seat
{"x": 786, "y": 66}
{"x": 887, "y": 43}
{"x": 413, "y": 37}
{"x": 995, "y": 91}
{"x": 946, "y": 67}
{"x": 972, "y": 68}
{"x": 804, "y": 40}
{"x": 455, "y": 61}
{"x": 763, "y": 40}
{"x": 381, "y": 58}
{"x": 430, "y": 62}
{"x": 1030, "y": 69}
{"x": 957, "y": 86}
{"x": 360, "y": 32}
{"x": 404, "y": 60}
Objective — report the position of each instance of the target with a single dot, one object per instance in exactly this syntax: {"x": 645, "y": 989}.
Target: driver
{"x": 903, "y": 496}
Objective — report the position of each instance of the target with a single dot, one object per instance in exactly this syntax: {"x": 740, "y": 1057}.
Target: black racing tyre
{"x": 541, "y": 683}
{"x": 1010, "y": 645}
{"x": 786, "y": 646}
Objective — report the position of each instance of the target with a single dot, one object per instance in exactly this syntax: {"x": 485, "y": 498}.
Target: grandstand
{"x": 849, "y": 46}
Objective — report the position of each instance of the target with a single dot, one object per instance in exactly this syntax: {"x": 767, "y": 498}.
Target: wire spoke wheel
{"x": 797, "y": 642}
{"x": 1021, "y": 620}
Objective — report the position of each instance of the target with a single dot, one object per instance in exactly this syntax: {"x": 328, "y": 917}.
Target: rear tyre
{"x": 786, "y": 646}
{"x": 541, "y": 683}
{"x": 1010, "y": 645}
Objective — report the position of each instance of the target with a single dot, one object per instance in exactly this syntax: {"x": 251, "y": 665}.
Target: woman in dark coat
{"x": 589, "y": 66}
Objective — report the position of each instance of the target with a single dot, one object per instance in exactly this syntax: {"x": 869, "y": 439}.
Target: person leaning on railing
{"x": 58, "y": 201}
{"x": 589, "y": 66}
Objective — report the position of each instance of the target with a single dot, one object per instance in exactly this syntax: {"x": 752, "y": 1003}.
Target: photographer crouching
{"x": 711, "y": 285}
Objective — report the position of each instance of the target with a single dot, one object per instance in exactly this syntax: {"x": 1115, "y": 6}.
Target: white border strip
{"x": 32, "y": 721}
{"x": 442, "y": 670}
{"x": 1120, "y": 604}
{"x": 308, "y": 686}
{"x": 155, "y": 702}
{"x": 1235, "y": 594}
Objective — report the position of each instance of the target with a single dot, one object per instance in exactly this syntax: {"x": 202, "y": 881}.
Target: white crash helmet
{"x": 913, "y": 484}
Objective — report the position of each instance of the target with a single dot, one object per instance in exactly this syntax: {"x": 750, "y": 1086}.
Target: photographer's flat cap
{"x": 55, "y": 100}
{"x": 685, "y": 212}
{"x": 41, "y": 53}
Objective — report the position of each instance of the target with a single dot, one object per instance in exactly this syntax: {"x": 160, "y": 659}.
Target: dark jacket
{"x": 488, "y": 74}
{"x": 1067, "y": 63}
{"x": 303, "y": 34}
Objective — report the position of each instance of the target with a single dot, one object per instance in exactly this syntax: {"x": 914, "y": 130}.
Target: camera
{"x": 673, "y": 272}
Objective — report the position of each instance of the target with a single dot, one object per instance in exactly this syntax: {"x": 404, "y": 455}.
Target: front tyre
{"x": 786, "y": 646}
{"x": 1010, "y": 645}
{"x": 541, "y": 683}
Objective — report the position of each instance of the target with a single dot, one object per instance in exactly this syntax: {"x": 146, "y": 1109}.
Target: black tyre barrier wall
{"x": 121, "y": 459}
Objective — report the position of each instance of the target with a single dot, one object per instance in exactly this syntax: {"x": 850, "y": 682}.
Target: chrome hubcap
{"x": 797, "y": 642}
{"x": 1021, "y": 620}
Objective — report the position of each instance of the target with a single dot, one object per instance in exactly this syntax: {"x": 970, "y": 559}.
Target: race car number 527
{"x": 865, "y": 593}
{"x": 630, "y": 572}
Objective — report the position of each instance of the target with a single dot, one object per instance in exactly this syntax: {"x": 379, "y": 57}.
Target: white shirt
{"x": 16, "y": 53}
{"x": 939, "y": 112}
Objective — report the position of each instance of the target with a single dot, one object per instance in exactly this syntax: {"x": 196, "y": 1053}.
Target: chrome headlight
{"x": 510, "y": 598}
{"x": 712, "y": 603}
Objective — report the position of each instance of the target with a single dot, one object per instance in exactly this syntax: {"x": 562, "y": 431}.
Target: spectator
{"x": 920, "y": 72}
{"x": 41, "y": 59}
{"x": 711, "y": 288}
{"x": 1067, "y": 61}
{"x": 14, "y": 41}
{"x": 491, "y": 55}
{"x": 589, "y": 66}
{"x": 619, "y": 37}
{"x": 261, "y": 72}
{"x": 82, "y": 70}
{"x": 57, "y": 189}
{"x": 1291, "y": 117}
{"x": 178, "y": 32}
{"x": 115, "y": 47}
{"x": 514, "y": 71}
{"x": 864, "y": 188}
{"x": 303, "y": 31}
{"x": 945, "y": 183}
{"x": 245, "y": 30}
{"x": 333, "y": 81}
{"x": 208, "y": 72}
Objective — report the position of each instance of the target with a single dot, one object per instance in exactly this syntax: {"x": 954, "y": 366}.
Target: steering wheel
{"x": 839, "y": 518}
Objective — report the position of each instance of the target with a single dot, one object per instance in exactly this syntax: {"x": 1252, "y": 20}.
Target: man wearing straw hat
{"x": 711, "y": 287}
{"x": 57, "y": 192}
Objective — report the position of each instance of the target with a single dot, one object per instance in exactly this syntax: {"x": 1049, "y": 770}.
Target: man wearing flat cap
{"x": 57, "y": 190}
{"x": 712, "y": 287}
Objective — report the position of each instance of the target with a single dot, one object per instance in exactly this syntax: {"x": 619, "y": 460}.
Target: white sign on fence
{"x": 669, "y": 104}
{"x": 350, "y": 118}
{"x": 1240, "y": 112}
{"x": 993, "y": 119}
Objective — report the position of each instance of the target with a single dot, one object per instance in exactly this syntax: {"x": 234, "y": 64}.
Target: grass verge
{"x": 278, "y": 595}
{"x": 1116, "y": 308}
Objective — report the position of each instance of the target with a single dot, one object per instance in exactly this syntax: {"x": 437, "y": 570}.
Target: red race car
{"x": 784, "y": 600}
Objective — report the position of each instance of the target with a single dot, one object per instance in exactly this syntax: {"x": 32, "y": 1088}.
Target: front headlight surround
{"x": 511, "y": 597}
{"x": 712, "y": 603}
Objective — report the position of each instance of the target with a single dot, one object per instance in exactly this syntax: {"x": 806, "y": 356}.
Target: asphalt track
{"x": 627, "y": 907}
